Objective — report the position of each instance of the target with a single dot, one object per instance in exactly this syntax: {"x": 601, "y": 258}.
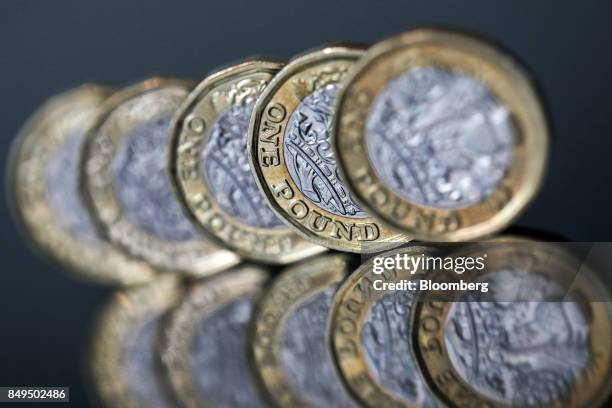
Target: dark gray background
{"x": 49, "y": 46}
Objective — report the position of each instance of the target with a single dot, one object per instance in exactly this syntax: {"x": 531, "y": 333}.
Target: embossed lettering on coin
{"x": 309, "y": 157}
{"x": 292, "y": 158}
{"x": 439, "y": 138}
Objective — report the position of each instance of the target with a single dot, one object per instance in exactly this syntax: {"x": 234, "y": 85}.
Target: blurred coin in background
{"x": 369, "y": 332}
{"x": 124, "y": 365}
{"x": 290, "y": 344}
{"x": 292, "y": 159}
{"x": 540, "y": 335}
{"x": 212, "y": 172}
{"x": 43, "y": 184}
{"x": 127, "y": 180}
{"x": 205, "y": 342}
{"x": 441, "y": 135}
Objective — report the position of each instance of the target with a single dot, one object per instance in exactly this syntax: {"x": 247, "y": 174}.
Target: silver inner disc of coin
{"x": 142, "y": 184}
{"x": 518, "y": 351}
{"x": 439, "y": 138}
{"x": 385, "y": 341}
{"x": 309, "y": 156}
{"x": 62, "y": 189}
{"x": 218, "y": 356}
{"x": 227, "y": 172}
{"x": 304, "y": 353}
{"x": 141, "y": 369}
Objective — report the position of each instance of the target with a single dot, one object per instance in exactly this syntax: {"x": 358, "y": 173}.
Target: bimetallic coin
{"x": 212, "y": 173}
{"x": 441, "y": 135}
{"x": 124, "y": 363}
{"x": 290, "y": 344}
{"x": 369, "y": 331}
{"x": 292, "y": 159}
{"x": 43, "y": 182}
{"x": 539, "y": 337}
{"x": 205, "y": 345}
{"x": 129, "y": 185}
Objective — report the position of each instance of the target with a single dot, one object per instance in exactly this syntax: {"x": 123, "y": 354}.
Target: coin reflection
{"x": 290, "y": 341}
{"x": 514, "y": 350}
{"x": 384, "y": 338}
{"x": 538, "y": 336}
{"x": 204, "y": 351}
{"x": 303, "y": 351}
{"x": 124, "y": 362}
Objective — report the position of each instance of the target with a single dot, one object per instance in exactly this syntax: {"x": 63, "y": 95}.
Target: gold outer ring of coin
{"x": 201, "y": 301}
{"x": 350, "y": 307}
{"x": 468, "y": 55}
{"x": 45, "y": 133}
{"x": 273, "y": 110}
{"x": 123, "y": 315}
{"x": 196, "y": 257}
{"x": 428, "y": 318}
{"x": 295, "y": 284}
{"x": 189, "y": 134}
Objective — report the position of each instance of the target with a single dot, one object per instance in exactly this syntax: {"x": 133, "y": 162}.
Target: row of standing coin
{"x": 431, "y": 134}
{"x": 319, "y": 335}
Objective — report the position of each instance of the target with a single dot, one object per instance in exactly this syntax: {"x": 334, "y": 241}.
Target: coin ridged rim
{"x": 36, "y": 142}
{"x": 448, "y": 385}
{"x": 187, "y": 139}
{"x": 288, "y": 291}
{"x": 125, "y": 311}
{"x": 197, "y": 256}
{"x": 328, "y": 64}
{"x": 201, "y": 301}
{"x": 357, "y": 292}
{"x": 462, "y": 53}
